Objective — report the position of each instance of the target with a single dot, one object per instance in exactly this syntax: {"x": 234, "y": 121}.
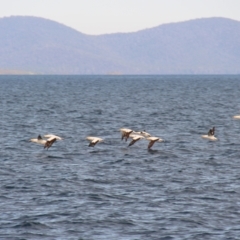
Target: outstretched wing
{"x": 132, "y": 142}
{"x": 51, "y": 136}
{"x": 93, "y": 143}
{"x": 127, "y": 135}
{"x": 150, "y": 144}
{"x": 123, "y": 135}
{"x": 135, "y": 138}
{"x": 49, "y": 143}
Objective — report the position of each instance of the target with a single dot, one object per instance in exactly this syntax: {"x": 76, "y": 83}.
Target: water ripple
{"x": 183, "y": 188}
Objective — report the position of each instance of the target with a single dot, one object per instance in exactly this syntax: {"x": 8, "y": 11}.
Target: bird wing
{"x": 127, "y": 130}
{"x": 152, "y": 141}
{"x": 123, "y": 135}
{"x": 150, "y": 144}
{"x": 51, "y": 136}
{"x": 90, "y": 138}
{"x": 145, "y": 134}
{"x": 92, "y": 144}
{"x": 94, "y": 139}
{"x": 127, "y": 134}
{"x": 132, "y": 142}
{"x": 49, "y": 143}
{"x": 152, "y": 138}
{"x": 135, "y": 138}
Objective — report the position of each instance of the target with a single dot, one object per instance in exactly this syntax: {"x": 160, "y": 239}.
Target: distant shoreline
{"x": 37, "y": 46}
{"x": 19, "y": 73}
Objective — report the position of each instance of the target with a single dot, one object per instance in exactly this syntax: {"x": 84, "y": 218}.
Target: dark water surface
{"x": 184, "y": 188}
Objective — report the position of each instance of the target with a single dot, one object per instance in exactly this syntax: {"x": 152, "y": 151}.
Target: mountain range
{"x": 40, "y": 46}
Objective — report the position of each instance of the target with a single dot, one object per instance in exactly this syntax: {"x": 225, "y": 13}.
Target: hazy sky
{"x": 111, "y": 16}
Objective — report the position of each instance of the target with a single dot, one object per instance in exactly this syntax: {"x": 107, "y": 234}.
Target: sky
{"x": 111, "y": 16}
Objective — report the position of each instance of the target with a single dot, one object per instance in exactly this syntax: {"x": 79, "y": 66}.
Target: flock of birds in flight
{"x": 49, "y": 139}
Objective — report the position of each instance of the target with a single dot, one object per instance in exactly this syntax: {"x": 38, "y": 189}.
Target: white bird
{"x": 236, "y": 117}
{"x": 39, "y": 140}
{"x": 94, "y": 140}
{"x": 212, "y": 138}
{"x": 153, "y": 140}
{"x": 51, "y": 136}
{"x": 143, "y": 133}
{"x": 46, "y": 142}
{"x": 210, "y": 135}
{"x": 135, "y": 138}
{"x": 125, "y": 133}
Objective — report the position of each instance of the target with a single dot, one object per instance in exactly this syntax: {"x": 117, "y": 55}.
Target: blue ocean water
{"x": 184, "y": 188}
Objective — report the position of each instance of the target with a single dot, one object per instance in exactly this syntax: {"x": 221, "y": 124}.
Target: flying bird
{"x": 125, "y": 133}
{"x": 48, "y": 142}
{"x": 135, "y": 138}
{"x": 53, "y": 136}
{"x": 144, "y": 133}
{"x": 94, "y": 140}
{"x": 153, "y": 140}
{"x": 39, "y": 140}
{"x": 236, "y": 117}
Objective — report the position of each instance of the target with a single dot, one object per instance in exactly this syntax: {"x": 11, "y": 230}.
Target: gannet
{"x": 210, "y": 135}
{"x": 46, "y": 142}
{"x": 143, "y": 133}
{"x": 236, "y": 117}
{"x": 135, "y": 138}
{"x": 153, "y": 140}
{"x": 125, "y": 133}
{"x": 49, "y": 143}
{"x": 52, "y": 136}
{"x": 94, "y": 141}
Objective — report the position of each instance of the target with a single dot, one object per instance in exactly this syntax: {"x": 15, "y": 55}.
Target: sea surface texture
{"x": 186, "y": 187}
